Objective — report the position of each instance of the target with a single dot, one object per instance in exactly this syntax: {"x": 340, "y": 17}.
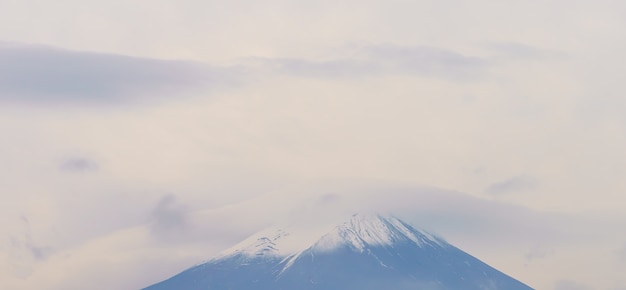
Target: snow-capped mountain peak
{"x": 368, "y": 252}
{"x": 358, "y": 232}
{"x": 362, "y": 231}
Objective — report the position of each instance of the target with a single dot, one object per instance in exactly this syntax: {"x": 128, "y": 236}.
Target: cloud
{"x": 538, "y": 252}
{"x": 513, "y": 184}
{"x": 337, "y": 68}
{"x": 26, "y": 242}
{"x": 39, "y": 253}
{"x": 428, "y": 61}
{"x": 620, "y": 255}
{"x": 78, "y": 164}
{"x": 381, "y": 60}
{"x": 390, "y": 111}
{"x": 328, "y": 198}
{"x": 40, "y": 74}
{"x": 569, "y": 285}
{"x": 168, "y": 218}
{"x": 47, "y": 75}
{"x": 455, "y": 215}
{"x": 522, "y": 51}
{"x": 176, "y": 237}
{"x": 24, "y": 252}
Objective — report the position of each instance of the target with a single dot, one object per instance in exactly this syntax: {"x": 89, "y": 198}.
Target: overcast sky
{"x": 142, "y": 137}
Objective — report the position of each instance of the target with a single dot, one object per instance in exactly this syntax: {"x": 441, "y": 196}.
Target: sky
{"x": 142, "y": 137}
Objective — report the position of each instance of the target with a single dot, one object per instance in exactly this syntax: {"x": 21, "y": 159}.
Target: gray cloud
{"x": 322, "y": 69}
{"x": 26, "y": 244}
{"x": 78, "y": 164}
{"x": 620, "y": 254}
{"x": 40, "y": 74}
{"x": 328, "y": 198}
{"x": 377, "y": 60}
{"x": 513, "y": 184}
{"x": 569, "y": 285}
{"x": 30, "y": 73}
{"x": 168, "y": 218}
{"x": 522, "y": 51}
{"x": 38, "y": 253}
{"x": 538, "y": 252}
{"x": 428, "y": 61}
{"x": 23, "y": 253}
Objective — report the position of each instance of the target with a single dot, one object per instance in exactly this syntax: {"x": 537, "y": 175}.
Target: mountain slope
{"x": 365, "y": 252}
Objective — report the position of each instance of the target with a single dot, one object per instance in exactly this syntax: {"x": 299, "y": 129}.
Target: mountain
{"x": 366, "y": 252}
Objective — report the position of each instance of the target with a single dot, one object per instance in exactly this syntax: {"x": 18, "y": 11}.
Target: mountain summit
{"x": 366, "y": 252}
